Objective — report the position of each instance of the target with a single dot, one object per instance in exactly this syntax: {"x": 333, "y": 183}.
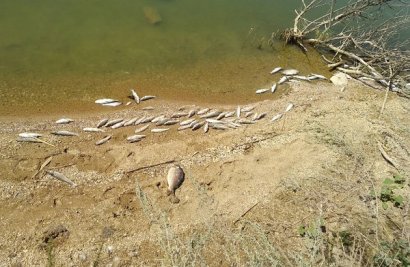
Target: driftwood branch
{"x": 151, "y": 166}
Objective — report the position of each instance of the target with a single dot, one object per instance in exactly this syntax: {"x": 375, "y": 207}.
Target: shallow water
{"x": 59, "y": 56}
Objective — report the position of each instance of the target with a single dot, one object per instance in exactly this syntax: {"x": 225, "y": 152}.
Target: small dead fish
{"x": 102, "y": 123}
{"x": 159, "y": 130}
{"x": 30, "y": 135}
{"x": 257, "y": 116}
{"x": 211, "y": 114}
{"x": 283, "y": 79}
{"x": 289, "y": 107}
{"x": 186, "y": 122}
{"x": 141, "y": 129}
{"x": 206, "y": 127}
{"x": 276, "y": 117}
{"x": 245, "y": 121}
{"x": 203, "y": 111}
{"x": 218, "y": 126}
{"x": 229, "y": 114}
{"x": 128, "y": 103}
{"x": 135, "y": 96}
{"x": 238, "y": 112}
{"x": 221, "y": 116}
{"x": 64, "y": 121}
{"x": 161, "y": 121}
{"x": 179, "y": 115}
{"x": 175, "y": 178}
{"x": 247, "y": 114}
{"x": 94, "y": 130}
{"x": 290, "y": 72}
{"x": 112, "y": 122}
{"x": 214, "y": 121}
{"x": 135, "y": 138}
{"x": 147, "y": 119}
{"x": 112, "y": 104}
{"x": 61, "y": 177}
{"x": 105, "y": 101}
{"x": 171, "y": 122}
{"x": 104, "y": 140}
{"x": 261, "y": 91}
{"x": 318, "y": 76}
{"x": 247, "y": 109}
{"x": 273, "y": 88}
{"x": 275, "y": 70}
{"x": 192, "y": 123}
{"x": 147, "y": 97}
{"x": 302, "y": 78}
{"x": 29, "y": 139}
{"x": 191, "y": 113}
{"x": 131, "y": 121}
{"x": 148, "y": 108}
{"x": 183, "y": 127}
{"x": 197, "y": 125}
{"x": 118, "y": 125}
{"x": 140, "y": 120}
{"x": 64, "y": 133}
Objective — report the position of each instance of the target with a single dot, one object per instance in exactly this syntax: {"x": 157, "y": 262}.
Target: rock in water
{"x": 152, "y": 15}
{"x": 175, "y": 178}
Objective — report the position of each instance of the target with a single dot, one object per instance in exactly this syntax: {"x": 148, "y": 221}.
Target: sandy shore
{"x": 321, "y": 160}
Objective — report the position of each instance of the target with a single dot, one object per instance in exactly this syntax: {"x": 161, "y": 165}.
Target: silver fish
{"x": 214, "y": 121}
{"x": 140, "y": 120}
{"x": 179, "y": 115}
{"x": 206, "y": 127}
{"x": 135, "y": 138}
{"x": 273, "y": 88}
{"x": 186, "y": 122}
{"x": 147, "y": 119}
{"x": 105, "y": 101}
{"x": 159, "y": 130}
{"x": 175, "y": 178}
{"x": 128, "y": 103}
{"x": 221, "y": 116}
{"x": 104, "y": 140}
{"x": 257, "y": 116}
{"x": 290, "y": 72}
{"x": 191, "y": 113}
{"x": 261, "y": 91}
{"x": 203, "y": 111}
{"x": 135, "y": 96}
{"x": 112, "y": 122}
{"x": 90, "y": 129}
{"x": 61, "y": 177}
{"x": 275, "y": 70}
{"x": 162, "y": 122}
{"x": 131, "y": 121}
{"x": 141, "y": 129}
{"x": 276, "y": 117}
{"x": 247, "y": 114}
{"x": 147, "y": 97}
{"x": 30, "y": 135}
{"x": 283, "y": 79}
{"x": 245, "y": 121}
{"x": 112, "y": 104}
{"x": 302, "y": 78}
{"x": 29, "y": 139}
{"x": 218, "y": 126}
{"x": 289, "y": 107}
{"x": 247, "y": 109}
{"x": 197, "y": 125}
{"x": 211, "y": 114}
{"x": 102, "y": 123}
{"x": 156, "y": 119}
{"x": 318, "y": 76}
{"x": 238, "y": 112}
{"x": 171, "y": 122}
{"x": 64, "y": 121}
{"x": 183, "y": 127}
{"x": 118, "y": 125}
{"x": 229, "y": 114}
{"x": 64, "y": 133}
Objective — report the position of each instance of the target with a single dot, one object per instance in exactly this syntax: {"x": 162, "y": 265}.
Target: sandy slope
{"x": 320, "y": 161}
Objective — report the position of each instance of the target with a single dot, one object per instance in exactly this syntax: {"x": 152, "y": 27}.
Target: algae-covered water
{"x": 60, "y": 55}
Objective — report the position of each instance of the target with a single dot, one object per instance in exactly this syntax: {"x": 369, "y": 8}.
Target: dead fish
{"x": 229, "y": 114}
{"x": 159, "y": 130}
{"x": 247, "y": 109}
{"x": 64, "y": 133}
{"x": 147, "y": 97}
{"x": 102, "y": 123}
{"x": 112, "y": 122}
{"x": 29, "y": 139}
{"x": 211, "y": 114}
{"x": 156, "y": 119}
{"x": 197, "y": 125}
{"x": 276, "y": 117}
{"x": 290, "y": 72}
{"x": 218, "y": 126}
{"x": 214, "y": 121}
{"x": 30, "y": 135}
{"x": 261, "y": 91}
{"x": 90, "y": 129}
{"x": 203, "y": 111}
{"x": 275, "y": 70}
{"x": 61, "y": 177}
{"x": 183, "y": 127}
{"x": 247, "y": 114}
{"x": 112, "y": 104}
{"x": 141, "y": 129}
{"x": 233, "y": 125}
{"x": 147, "y": 119}
{"x": 245, "y": 121}
{"x": 64, "y": 121}
{"x": 162, "y": 121}
{"x": 238, "y": 112}
{"x": 273, "y": 88}
{"x": 191, "y": 113}
{"x": 186, "y": 122}
{"x": 192, "y": 123}
{"x": 283, "y": 79}
{"x": 171, "y": 122}
{"x": 179, "y": 115}
{"x": 318, "y": 76}
{"x": 289, "y": 107}
{"x": 140, "y": 120}
{"x": 131, "y": 121}
{"x": 257, "y": 116}
{"x": 148, "y": 108}
{"x": 104, "y": 140}
{"x": 206, "y": 127}
{"x": 105, "y": 101}
{"x": 135, "y": 96}
{"x": 175, "y": 178}
{"x": 302, "y": 78}
{"x": 118, "y": 125}
{"x": 135, "y": 138}
{"x": 221, "y": 116}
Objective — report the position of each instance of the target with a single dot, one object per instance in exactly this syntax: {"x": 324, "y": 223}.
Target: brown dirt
{"x": 320, "y": 161}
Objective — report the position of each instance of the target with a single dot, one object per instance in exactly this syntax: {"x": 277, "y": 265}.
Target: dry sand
{"x": 320, "y": 161}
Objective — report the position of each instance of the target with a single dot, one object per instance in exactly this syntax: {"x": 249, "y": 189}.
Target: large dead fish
{"x": 175, "y": 178}
{"x": 103, "y": 141}
{"x": 64, "y": 133}
{"x": 61, "y": 177}
{"x": 135, "y": 96}
{"x": 64, "y": 121}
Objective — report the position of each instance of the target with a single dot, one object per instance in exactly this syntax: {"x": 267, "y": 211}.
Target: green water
{"x": 58, "y": 53}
